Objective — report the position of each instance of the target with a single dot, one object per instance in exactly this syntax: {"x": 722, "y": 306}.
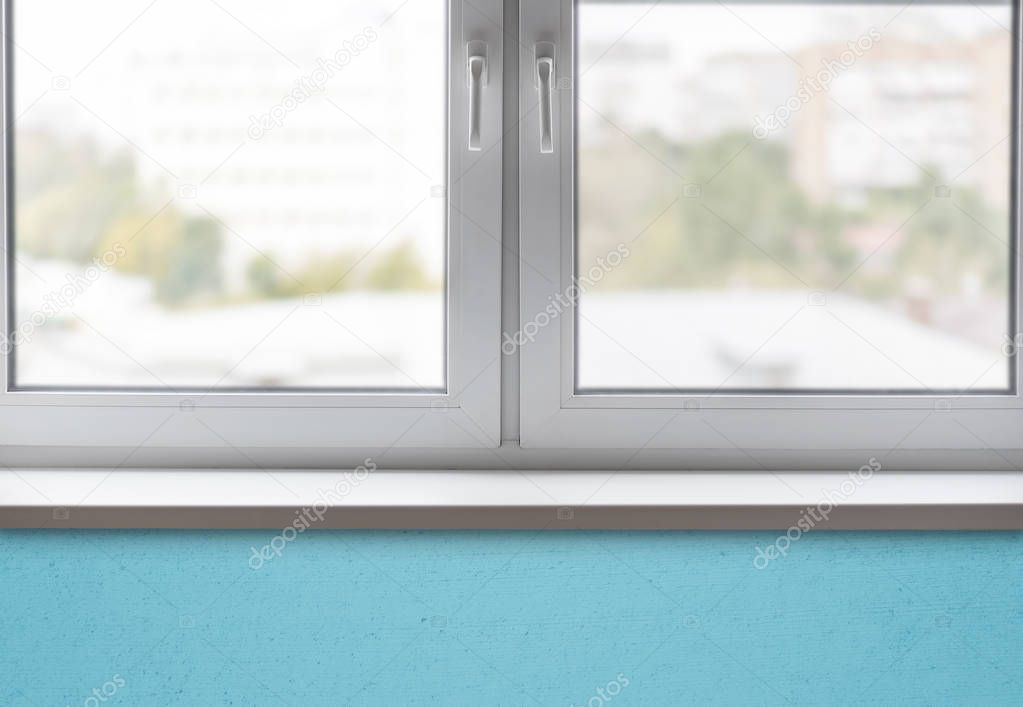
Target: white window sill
{"x": 273, "y": 499}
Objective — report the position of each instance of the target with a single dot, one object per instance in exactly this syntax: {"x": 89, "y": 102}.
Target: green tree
{"x": 68, "y": 194}
{"x": 191, "y": 270}
{"x": 399, "y": 269}
{"x": 180, "y": 255}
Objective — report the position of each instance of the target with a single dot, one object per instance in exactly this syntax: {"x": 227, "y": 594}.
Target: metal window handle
{"x": 544, "y": 84}
{"x": 476, "y": 68}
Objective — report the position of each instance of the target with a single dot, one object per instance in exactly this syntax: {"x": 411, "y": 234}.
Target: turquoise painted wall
{"x": 509, "y": 618}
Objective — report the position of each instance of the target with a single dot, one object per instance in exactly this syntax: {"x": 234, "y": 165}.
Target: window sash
{"x": 467, "y": 414}
{"x": 812, "y": 427}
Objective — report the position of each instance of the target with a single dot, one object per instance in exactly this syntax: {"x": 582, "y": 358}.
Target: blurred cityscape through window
{"x": 813, "y": 196}
{"x": 231, "y": 194}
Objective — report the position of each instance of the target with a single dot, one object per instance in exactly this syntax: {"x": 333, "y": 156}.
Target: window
{"x": 273, "y": 219}
{"x": 230, "y": 195}
{"x": 681, "y": 235}
{"x": 785, "y": 232}
{"x": 867, "y": 200}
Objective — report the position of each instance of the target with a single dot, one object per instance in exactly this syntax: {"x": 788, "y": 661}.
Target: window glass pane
{"x": 809, "y": 197}
{"x": 228, "y": 193}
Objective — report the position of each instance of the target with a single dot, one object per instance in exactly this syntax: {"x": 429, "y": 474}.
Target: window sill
{"x": 274, "y": 499}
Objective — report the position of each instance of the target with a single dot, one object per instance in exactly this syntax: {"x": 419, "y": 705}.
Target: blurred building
{"x": 319, "y": 182}
{"x": 939, "y": 102}
{"x": 903, "y": 105}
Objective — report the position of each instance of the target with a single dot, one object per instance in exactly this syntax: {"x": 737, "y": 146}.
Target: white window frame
{"x": 562, "y": 462}
{"x": 467, "y": 414}
{"x": 817, "y": 430}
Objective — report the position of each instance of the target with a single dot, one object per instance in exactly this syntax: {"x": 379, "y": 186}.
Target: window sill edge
{"x": 526, "y": 499}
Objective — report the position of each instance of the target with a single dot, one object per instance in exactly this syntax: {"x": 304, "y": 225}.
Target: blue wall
{"x": 509, "y": 618}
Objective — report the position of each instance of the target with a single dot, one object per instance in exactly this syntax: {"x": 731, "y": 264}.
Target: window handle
{"x": 544, "y": 84}
{"x": 476, "y": 71}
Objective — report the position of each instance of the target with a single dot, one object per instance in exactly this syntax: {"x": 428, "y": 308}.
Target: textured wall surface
{"x": 509, "y": 618}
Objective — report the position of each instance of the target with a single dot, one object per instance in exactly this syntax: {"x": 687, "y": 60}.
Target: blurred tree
{"x": 743, "y": 220}
{"x": 191, "y": 268}
{"x": 68, "y": 194}
{"x": 76, "y": 202}
{"x": 179, "y": 255}
{"x": 323, "y": 274}
{"x": 738, "y": 217}
{"x": 328, "y": 273}
{"x": 263, "y": 278}
{"x": 398, "y": 269}
{"x": 145, "y": 238}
